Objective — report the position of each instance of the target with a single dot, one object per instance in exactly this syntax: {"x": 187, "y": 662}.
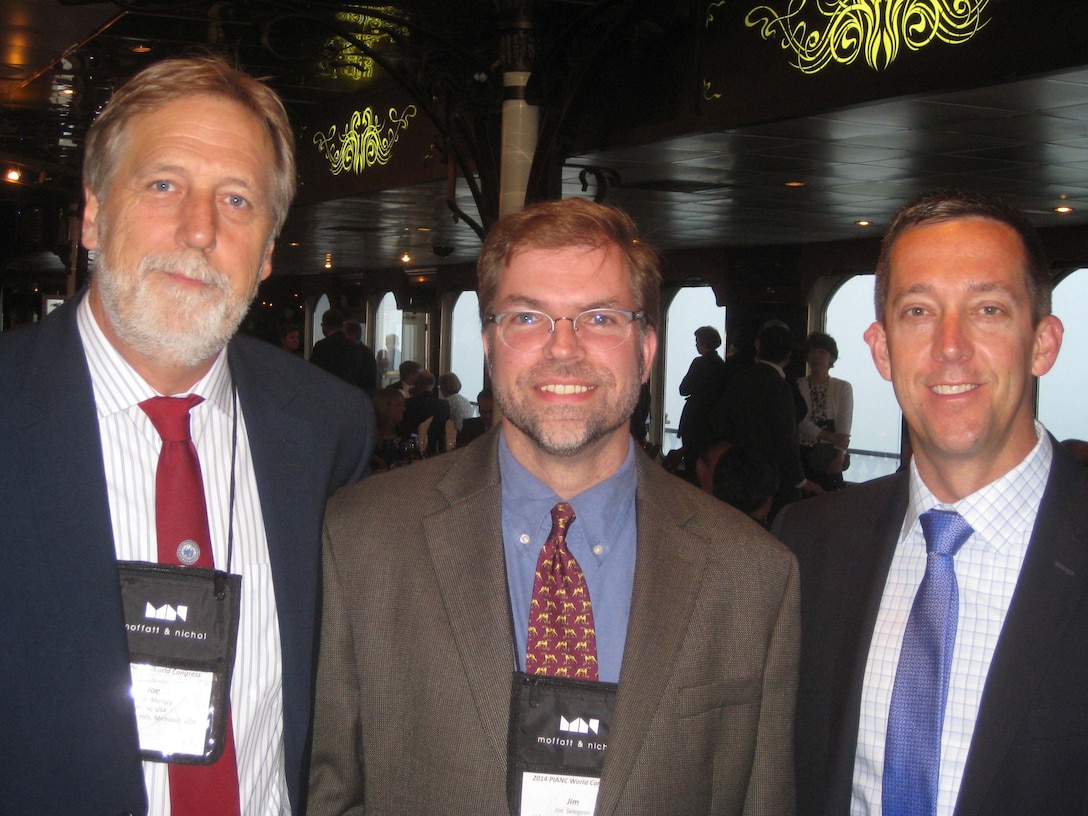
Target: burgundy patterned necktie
{"x": 181, "y": 522}
{"x": 562, "y": 641}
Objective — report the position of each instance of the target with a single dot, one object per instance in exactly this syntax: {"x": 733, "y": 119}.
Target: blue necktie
{"x": 912, "y": 753}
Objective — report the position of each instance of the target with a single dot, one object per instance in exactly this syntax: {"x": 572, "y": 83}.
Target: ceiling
{"x": 1027, "y": 140}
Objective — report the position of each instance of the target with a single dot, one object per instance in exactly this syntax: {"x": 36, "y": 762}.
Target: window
{"x": 693, "y": 306}
{"x": 875, "y": 436}
{"x": 1062, "y": 390}
{"x": 466, "y": 348}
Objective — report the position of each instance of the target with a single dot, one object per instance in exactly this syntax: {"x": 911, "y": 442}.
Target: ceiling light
{"x": 13, "y": 175}
{"x": 142, "y": 48}
{"x": 795, "y": 184}
{"x": 328, "y": 260}
{"x": 406, "y": 258}
{"x": 863, "y": 223}
{"x": 1064, "y": 209}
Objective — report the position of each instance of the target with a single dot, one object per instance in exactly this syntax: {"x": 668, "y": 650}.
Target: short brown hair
{"x": 571, "y": 222}
{"x": 953, "y": 205}
{"x": 167, "y": 81}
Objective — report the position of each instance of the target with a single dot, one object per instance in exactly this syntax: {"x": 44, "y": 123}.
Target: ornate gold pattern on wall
{"x": 344, "y": 60}
{"x": 874, "y": 29}
{"x": 366, "y": 141}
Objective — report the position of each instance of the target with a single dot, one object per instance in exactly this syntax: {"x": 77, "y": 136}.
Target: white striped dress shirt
{"x": 130, "y": 452}
{"x": 1002, "y": 515}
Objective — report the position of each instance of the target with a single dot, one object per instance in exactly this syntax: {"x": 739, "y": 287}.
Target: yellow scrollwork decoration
{"x": 875, "y": 29}
{"x": 366, "y": 141}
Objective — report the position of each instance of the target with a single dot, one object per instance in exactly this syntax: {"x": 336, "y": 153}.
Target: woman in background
{"x": 825, "y": 431}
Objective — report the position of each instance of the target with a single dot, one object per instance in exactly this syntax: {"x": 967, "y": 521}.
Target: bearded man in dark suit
{"x": 430, "y": 581}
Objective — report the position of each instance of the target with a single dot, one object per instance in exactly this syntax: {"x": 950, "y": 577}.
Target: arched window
{"x": 693, "y": 306}
{"x": 466, "y": 348}
{"x": 388, "y": 339}
{"x": 875, "y": 437}
{"x": 1062, "y": 391}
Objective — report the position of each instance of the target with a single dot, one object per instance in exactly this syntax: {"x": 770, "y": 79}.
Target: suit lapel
{"x": 860, "y": 561}
{"x": 62, "y": 449}
{"x": 465, "y": 542}
{"x": 1052, "y": 582}
{"x": 668, "y": 578}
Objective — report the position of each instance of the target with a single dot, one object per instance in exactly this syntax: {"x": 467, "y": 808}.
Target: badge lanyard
{"x": 181, "y": 624}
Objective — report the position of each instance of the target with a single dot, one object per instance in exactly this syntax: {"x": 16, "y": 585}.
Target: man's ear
{"x": 877, "y": 338}
{"x": 266, "y": 264}
{"x": 1048, "y": 342}
{"x": 91, "y": 212}
{"x": 648, "y": 350}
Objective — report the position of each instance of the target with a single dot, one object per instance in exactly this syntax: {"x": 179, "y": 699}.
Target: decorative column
{"x": 520, "y": 120}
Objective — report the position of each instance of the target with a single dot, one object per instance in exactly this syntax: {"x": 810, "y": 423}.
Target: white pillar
{"x": 520, "y": 130}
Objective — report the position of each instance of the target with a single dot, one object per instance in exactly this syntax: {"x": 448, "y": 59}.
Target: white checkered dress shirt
{"x": 1002, "y": 514}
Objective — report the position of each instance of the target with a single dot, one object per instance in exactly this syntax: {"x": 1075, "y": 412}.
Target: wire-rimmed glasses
{"x": 527, "y": 330}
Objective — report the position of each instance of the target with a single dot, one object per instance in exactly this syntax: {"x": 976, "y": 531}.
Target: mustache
{"x": 191, "y": 265}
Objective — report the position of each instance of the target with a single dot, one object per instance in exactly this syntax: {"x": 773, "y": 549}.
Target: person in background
{"x": 945, "y": 608}
{"x": 681, "y": 611}
{"x": 739, "y": 477}
{"x": 825, "y": 431}
{"x": 291, "y": 339}
{"x": 759, "y": 411}
{"x": 188, "y": 174}
{"x": 368, "y": 375}
{"x": 702, "y": 386}
{"x": 425, "y": 404}
{"x": 341, "y": 355}
{"x": 408, "y": 371}
{"x": 475, "y": 427}
{"x": 449, "y": 387}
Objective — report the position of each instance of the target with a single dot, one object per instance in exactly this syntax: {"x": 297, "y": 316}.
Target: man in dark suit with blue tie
{"x": 944, "y": 609}
{"x": 189, "y": 172}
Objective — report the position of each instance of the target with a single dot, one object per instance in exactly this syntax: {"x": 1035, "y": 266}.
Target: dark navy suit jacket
{"x": 1029, "y": 752}
{"x": 68, "y": 741}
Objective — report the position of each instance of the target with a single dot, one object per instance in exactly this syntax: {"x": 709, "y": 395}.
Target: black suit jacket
{"x": 758, "y": 412}
{"x": 1029, "y": 752}
{"x": 350, "y": 361}
{"x": 68, "y": 741}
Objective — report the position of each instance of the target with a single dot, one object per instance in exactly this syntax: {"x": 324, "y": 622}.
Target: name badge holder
{"x": 182, "y": 629}
{"x": 556, "y": 745}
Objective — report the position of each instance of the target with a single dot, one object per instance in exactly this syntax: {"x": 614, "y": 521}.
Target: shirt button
{"x": 525, "y": 538}
{"x": 598, "y": 550}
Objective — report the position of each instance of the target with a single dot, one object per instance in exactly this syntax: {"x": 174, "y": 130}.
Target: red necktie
{"x": 181, "y": 521}
{"x": 562, "y": 641}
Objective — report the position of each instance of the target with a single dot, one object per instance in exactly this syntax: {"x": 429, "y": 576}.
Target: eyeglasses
{"x": 597, "y": 329}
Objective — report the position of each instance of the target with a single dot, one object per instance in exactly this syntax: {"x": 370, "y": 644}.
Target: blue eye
{"x": 526, "y": 319}
{"x": 237, "y": 201}
{"x": 599, "y": 320}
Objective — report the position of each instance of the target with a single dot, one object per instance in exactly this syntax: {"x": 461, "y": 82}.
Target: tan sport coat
{"x": 413, "y": 688}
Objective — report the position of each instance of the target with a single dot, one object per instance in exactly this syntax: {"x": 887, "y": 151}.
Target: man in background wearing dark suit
{"x": 188, "y": 174}
{"x": 758, "y": 411}
{"x": 994, "y": 721}
{"x": 345, "y": 355}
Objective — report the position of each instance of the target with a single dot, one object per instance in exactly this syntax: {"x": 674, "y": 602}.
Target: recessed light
{"x": 1064, "y": 209}
{"x": 795, "y": 184}
{"x": 864, "y": 223}
{"x": 142, "y": 48}
{"x": 406, "y": 258}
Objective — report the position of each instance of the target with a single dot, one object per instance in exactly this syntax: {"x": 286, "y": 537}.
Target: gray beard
{"x": 174, "y": 328}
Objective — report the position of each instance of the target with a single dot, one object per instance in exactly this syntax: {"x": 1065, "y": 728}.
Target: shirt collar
{"x": 1006, "y": 506}
{"x": 117, "y": 386}
{"x": 601, "y": 508}
{"x": 781, "y": 371}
